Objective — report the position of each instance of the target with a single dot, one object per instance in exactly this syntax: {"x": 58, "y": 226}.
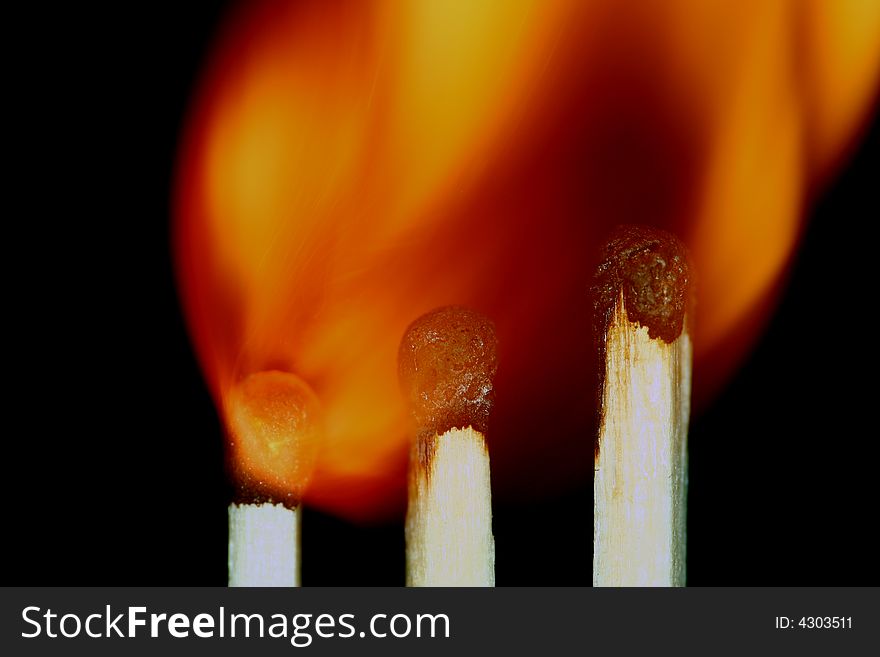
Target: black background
{"x": 102, "y": 384}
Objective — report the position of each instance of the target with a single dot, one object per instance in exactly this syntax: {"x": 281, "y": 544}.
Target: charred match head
{"x": 447, "y": 363}
{"x": 650, "y": 268}
{"x": 649, "y": 271}
{"x": 275, "y": 426}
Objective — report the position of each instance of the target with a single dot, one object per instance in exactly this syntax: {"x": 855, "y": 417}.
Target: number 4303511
{"x": 815, "y": 622}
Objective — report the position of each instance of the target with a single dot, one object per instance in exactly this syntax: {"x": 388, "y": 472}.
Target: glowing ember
{"x": 275, "y": 429}
{"x": 349, "y": 166}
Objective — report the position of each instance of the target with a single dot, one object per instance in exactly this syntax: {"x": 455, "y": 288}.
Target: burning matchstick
{"x": 642, "y": 301}
{"x": 447, "y": 362}
{"x": 275, "y": 428}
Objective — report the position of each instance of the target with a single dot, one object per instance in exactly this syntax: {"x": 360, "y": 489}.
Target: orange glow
{"x": 275, "y": 431}
{"x": 348, "y": 166}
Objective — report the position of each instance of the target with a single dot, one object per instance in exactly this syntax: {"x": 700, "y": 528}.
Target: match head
{"x": 447, "y": 363}
{"x": 275, "y": 427}
{"x": 651, "y": 268}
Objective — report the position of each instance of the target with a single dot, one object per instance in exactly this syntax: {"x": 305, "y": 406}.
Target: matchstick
{"x": 642, "y": 302}
{"x": 275, "y": 427}
{"x": 264, "y": 545}
{"x": 447, "y": 362}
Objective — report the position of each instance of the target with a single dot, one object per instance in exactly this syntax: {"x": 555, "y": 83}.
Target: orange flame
{"x": 348, "y": 166}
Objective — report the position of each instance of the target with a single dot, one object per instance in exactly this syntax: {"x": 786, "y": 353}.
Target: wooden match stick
{"x": 275, "y": 427}
{"x": 264, "y": 545}
{"x": 447, "y": 363}
{"x": 643, "y": 297}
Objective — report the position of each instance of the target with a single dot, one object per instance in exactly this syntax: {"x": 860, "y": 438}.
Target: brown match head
{"x": 275, "y": 427}
{"x": 651, "y": 268}
{"x": 447, "y": 363}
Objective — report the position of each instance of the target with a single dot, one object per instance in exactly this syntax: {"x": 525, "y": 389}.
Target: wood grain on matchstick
{"x": 447, "y": 362}
{"x": 264, "y": 545}
{"x": 643, "y": 294}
